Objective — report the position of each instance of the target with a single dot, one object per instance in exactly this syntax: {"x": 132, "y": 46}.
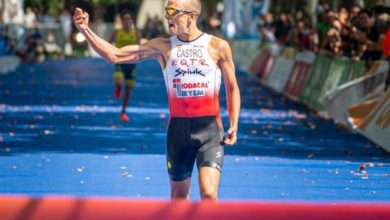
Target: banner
{"x": 337, "y": 102}
{"x": 245, "y": 52}
{"x": 281, "y": 70}
{"x": 304, "y": 61}
{"x": 317, "y": 76}
{"x": 371, "y": 118}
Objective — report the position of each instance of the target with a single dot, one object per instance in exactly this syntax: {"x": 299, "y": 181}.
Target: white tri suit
{"x": 195, "y": 129}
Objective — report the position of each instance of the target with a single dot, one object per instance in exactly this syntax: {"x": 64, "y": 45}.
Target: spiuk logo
{"x": 188, "y": 72}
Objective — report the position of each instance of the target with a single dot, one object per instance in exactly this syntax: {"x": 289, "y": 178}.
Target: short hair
{"x": 193, "y": 5}
{"x": 125, "y": 12}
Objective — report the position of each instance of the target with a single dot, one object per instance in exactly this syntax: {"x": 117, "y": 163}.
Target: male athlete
{"x": 126, "y": 35}
{"x": 192, "y": 63}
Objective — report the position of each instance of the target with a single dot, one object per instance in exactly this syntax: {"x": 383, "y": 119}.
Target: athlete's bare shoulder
{"x": 217, "y": 42}
{"x": 218, "y": 47}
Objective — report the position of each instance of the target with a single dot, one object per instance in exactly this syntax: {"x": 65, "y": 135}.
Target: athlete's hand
{"x": 231, "y": 137}
{"x": 80, "y": 19}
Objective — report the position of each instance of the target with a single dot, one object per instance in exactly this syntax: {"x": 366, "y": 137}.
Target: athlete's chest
{"x": 190, "y": 59}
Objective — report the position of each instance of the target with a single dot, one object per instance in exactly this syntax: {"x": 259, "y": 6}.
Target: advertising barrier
{"x": 371, "y": 118}
{"x": 265, "y": 70}
{"x": 299, "y": 74}
{"x": 327, "y": 74}
{"x": 244, "y": 52}
{"x": 338, "y": 101}
{"x": 281, "y": 70}
{"x": 313, "y": 85}
{"x": 330, "y": 85}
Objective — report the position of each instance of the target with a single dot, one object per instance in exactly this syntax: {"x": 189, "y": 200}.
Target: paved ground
{"x": 60, "y": 134}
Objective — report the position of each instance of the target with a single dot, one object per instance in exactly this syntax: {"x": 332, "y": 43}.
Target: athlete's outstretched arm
{"x": 232, "y": 91}
{"x": 127, "y": 54}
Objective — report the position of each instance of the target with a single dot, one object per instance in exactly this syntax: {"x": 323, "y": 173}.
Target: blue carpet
{"x": 60, "y": 134}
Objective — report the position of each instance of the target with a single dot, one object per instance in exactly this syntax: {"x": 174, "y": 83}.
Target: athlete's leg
{"x": 126, "y": 97}
{"x": 210, "y": 157}
{"x": 118, "y": 80}
{"x": 180, "y": 157}
{"x": 208, "y": 183}
{"x": 128, "y": 70}
{"x": 180, "y": 189}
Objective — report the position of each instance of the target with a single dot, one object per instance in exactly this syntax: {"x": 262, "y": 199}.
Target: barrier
{"x": 244, "y": 52}
{"x": 274, "y": 51}
{"x": 356, "y": 70}
{"x": 339, "y": 71}
{"x": 320, "y": 82}
{"x": 299, "y": 75}
{"x": 281, "y": 70}
{"x": 18, "y": 207}
{"x": 337, "y": 102}
{"x": 371, "y": 118}
{"x": 260, "y": 61}
{"x": 317, "y": 76}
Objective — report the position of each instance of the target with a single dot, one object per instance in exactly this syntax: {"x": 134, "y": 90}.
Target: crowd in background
{"x": 36, "y": 35}
{"x": 355, "y": 33}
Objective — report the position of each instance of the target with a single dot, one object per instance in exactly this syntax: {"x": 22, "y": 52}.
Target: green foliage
{"x": 54, "y": 7}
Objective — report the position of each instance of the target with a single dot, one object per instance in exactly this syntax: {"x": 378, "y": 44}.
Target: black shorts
{"x": 193, "y": 138}
{"x": 127, "y": 70}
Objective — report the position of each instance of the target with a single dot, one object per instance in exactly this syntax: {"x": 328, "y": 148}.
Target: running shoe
{"x": 124, "y": 117}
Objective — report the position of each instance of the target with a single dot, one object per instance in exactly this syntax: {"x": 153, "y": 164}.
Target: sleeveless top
{"x": 192, "y": 79}
{"x": 123, "y": 38}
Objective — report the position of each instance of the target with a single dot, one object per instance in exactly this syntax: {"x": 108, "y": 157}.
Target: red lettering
{"x": 194, "y": 85}
{"x": 184, "y": 62}
{"x": 174, "y": 62}
{"x": 203, "y": 62}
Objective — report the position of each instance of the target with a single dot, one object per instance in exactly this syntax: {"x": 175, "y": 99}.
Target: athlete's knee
{"x": 209, "y": 193}
{"x": 180, "y": 194}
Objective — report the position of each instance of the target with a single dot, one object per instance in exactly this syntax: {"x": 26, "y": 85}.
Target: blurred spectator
{"x": 283, "y": 26}
{"x": 33, "y": 48}
{"x": 384, "y": 27}
{"x": 386, "y": 41}
{"x": 30, "y": 19}
{"x": 331, "y": 43}
{"x": 51, "y": 48}
{"x": 9, "y": 43}
{"x": 343, "y": 15}
{"x": 355, "y": 11}
{"x": 153, "y": 28}
{"x": 325, "y": 22}
{"x": 210, "y": 24}
{"x": 368, "y": 35}
{"x": 48, "y": 19}
{"x": 66, "y": 24}
{"x": 266, "y": 28}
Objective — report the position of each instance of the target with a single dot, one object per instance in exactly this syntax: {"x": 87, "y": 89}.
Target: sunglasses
{"x": 172, "y": 12}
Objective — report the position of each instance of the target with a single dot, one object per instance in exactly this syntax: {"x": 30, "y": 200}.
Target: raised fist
{"x": 80, "y": 19}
